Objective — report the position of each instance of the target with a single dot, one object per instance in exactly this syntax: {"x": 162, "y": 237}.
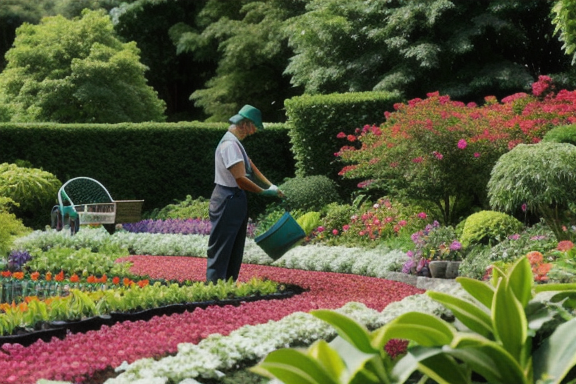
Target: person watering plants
{"x": 235, "y": 174}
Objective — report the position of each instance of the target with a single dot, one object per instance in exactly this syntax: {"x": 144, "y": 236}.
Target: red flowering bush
{"x": 442, "y": 151}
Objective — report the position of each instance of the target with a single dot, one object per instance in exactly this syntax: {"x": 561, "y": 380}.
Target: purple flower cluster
{"x": 17, "y": 259}
{"x": 170, "y": 226}
{"x": 176, "y": 226}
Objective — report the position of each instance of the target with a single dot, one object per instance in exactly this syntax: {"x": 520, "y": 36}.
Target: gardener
{"x": 234, "y": 175}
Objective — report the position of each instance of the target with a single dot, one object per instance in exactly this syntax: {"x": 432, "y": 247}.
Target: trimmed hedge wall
{"x": 317, "y": 119}
{"x": 157, "y": 162}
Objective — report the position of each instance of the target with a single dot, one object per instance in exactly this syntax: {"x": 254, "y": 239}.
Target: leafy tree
{"x": 76, "y": 71}
{"x": 466, "y": 49}
{"x": 12, "y": 14}
{"x": 174, "y": 76}
{"x": 564, "y": 14}
{"x": 247, "y": 40}
{"x": 74, "y": 8}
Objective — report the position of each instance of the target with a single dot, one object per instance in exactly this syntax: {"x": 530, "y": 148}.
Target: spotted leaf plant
{"x": 503, "y": 333}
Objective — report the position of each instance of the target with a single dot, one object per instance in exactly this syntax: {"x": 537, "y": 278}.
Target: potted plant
{"x": 437, "y": 251}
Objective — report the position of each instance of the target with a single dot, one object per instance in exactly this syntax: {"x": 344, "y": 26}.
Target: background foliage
{"x": 76, "y": 71}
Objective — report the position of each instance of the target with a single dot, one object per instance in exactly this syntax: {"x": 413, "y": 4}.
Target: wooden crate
{"x": 128, "y": 211}
{"x": 101, "y": 213}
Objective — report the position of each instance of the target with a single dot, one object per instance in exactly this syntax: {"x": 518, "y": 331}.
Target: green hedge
{"x": 157, "y": 162}
{"x": 315, "y": 121}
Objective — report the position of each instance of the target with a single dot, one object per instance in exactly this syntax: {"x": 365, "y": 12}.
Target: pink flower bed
{"x": 79, "y": 356}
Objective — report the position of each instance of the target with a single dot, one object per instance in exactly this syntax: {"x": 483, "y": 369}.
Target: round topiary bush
{"x": 309, "y": 193}
{"x": 489, "y": 227}
{"x": 562, "y": 134}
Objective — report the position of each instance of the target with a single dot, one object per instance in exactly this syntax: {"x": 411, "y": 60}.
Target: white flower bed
{"x": 208, "y": 358}
{"x": 375, "y": 262}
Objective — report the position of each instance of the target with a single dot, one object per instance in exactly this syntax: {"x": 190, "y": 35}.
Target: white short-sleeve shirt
{"x": 228, "y": 153}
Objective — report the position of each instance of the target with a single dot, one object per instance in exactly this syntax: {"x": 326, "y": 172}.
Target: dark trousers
{"x": 229, "y": 219}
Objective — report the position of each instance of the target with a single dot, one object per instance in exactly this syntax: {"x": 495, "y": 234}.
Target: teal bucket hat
{"x": 250, "y": 113}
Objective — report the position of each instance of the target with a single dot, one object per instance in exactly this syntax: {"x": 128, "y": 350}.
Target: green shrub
{"x": 309, "y": 221}
{"x": 540, "y": 178}
{"x": 187, "y": 209}
{"x": 488, "y": 227}
{"x": 336, "y": 215}
{"x": 476, "y": 261}
{"x": 562, "y": 134}
{"x": 33, "y": 189}
{"x": 10, "y": 227}
{"x": 309, "y": 193}
{"x": 538, "y": 237}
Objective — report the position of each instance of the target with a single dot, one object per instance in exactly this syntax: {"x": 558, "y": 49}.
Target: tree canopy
{"x": 247, "y": 41}
{"x": 466, "y": 49}
{"x": 76, "y": 71}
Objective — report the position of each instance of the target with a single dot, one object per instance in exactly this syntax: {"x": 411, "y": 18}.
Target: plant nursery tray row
{"x": 59, "y": 329}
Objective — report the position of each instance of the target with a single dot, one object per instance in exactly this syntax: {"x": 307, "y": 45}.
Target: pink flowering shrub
{"x": 372, "y": 222}
{"x": 442, "y": 151}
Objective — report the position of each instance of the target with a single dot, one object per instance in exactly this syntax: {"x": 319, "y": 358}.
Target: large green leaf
{"x": 557, "y": 354}
{"x": 439, "y": 366}
{"x": 350, "y": 330}
{"x": 292, "y": 366}
{"x": 425, "y": 329}
{"x": 555, "y": 287}
{"x": 469, "y": 314}
{"x": 361, "y": 367}
{"x": 509, "y": 320}
{"x": 480, "y": 290}
{"x": 538, "y": 314}
{"x": 328, "y": 358}
{"x": 521, "y": 279}
{"x": 487, "y": 358}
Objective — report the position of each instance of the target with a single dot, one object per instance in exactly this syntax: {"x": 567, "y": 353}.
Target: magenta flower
{"x": 438, "y": 155}
{"x": 335, "y": 232}
{"x": 462, "y": 144}
{"x": 524, "y": 207}
{"x": 417, "y": 159}
{"x": 345, "y": 227}
{"x": 455, "y": 246}
{"x": 341, "y": 135}
{"x": 422, "y": 215}
{"x": 476, "y": 154}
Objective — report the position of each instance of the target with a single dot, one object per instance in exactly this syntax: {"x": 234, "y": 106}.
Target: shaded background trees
{"x": 207, "y": 58}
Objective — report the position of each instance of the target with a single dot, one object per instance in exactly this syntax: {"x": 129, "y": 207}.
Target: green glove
{"x": 269, "y": 192}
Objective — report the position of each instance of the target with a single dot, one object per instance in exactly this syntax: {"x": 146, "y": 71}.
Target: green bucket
{"x": 282, "y": 236}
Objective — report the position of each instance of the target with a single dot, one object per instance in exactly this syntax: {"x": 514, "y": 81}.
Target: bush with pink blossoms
{"x": 442, "y": 151}
{"x": 371, "y": 224}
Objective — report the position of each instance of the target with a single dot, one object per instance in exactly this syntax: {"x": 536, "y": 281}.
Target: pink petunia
{"x": 462, "y": 144}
